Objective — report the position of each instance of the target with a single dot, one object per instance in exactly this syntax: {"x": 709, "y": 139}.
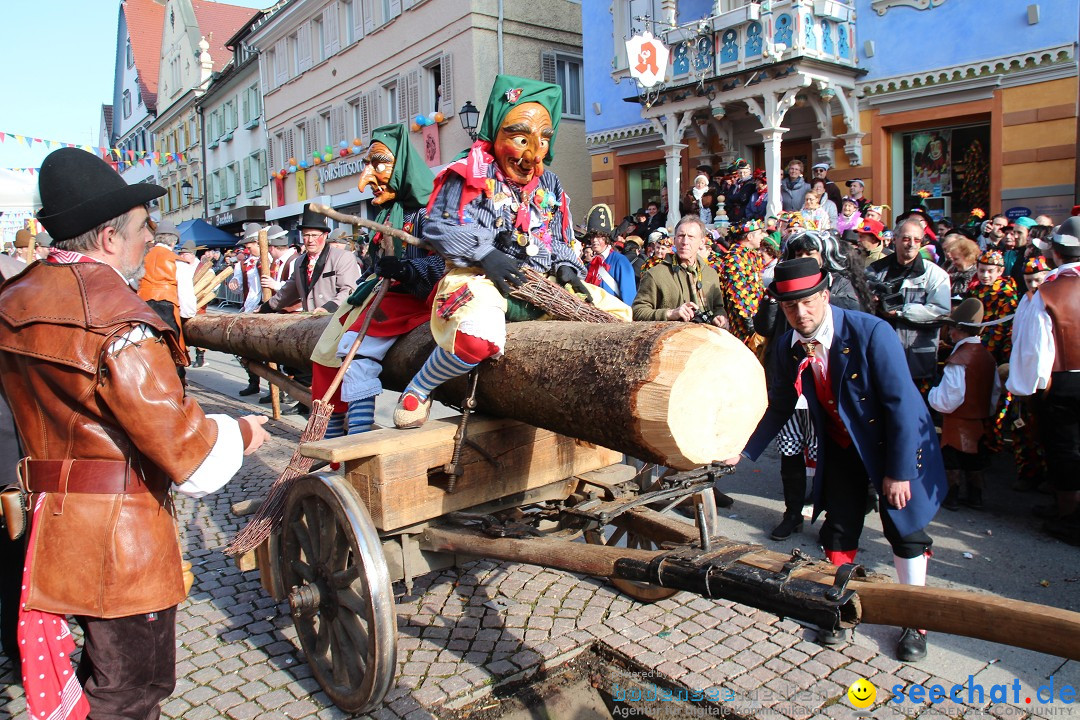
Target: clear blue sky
{"x": 58, "y": 58}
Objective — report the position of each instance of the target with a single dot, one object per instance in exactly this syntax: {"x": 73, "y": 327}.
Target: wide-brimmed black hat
{"x": 313, "y": 220}
{"x": 796, "y": 279}
{"x": 79, "y": 191}
{"x": 599, "y": 222}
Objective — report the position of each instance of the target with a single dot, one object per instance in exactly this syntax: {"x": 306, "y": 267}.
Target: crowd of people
{"x": 870, "y": 339}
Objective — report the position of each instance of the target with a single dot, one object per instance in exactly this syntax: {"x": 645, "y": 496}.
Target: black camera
{"x": 890, "y": 298}
{"x": 703, "y": 316}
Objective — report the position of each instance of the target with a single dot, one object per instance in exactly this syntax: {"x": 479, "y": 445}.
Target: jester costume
{"x": 492, "y": 212}
{"x": 740, "y": 280}
{"x": 405, "y": 307}
{"x": 999, "y": 300}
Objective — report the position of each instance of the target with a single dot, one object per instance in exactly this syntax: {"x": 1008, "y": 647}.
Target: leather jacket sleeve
{"x": 140, "y": 387}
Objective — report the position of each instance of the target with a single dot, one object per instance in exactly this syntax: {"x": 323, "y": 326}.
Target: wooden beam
{"x": 298, "y": 392}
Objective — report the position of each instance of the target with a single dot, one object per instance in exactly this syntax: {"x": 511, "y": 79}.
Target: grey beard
{"x": 133, "y": 277}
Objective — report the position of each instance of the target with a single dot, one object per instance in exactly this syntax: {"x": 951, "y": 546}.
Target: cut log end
{"x": 705, "y": 399}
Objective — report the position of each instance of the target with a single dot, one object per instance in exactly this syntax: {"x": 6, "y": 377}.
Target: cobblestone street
{"x": 464, "y": 632}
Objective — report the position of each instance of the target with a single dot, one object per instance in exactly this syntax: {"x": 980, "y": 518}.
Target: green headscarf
{"x": 499, "y": 104}
{"x": 411, "y": 179}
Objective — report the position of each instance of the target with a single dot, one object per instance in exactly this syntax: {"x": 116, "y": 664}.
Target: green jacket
{"x": 668, "y": 285}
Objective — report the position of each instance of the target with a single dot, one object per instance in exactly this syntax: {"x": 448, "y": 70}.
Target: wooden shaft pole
{"x": 987, "y": 617}
{"x": 386, "y": 230}
{"x": 276, "y": 378}
{"x": 267, "y": 293}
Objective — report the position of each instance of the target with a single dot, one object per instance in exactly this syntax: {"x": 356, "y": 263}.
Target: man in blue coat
{"x": 872, "y": 424}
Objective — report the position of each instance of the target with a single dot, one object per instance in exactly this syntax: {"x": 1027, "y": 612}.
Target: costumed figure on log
{"x": 491, "y": 214}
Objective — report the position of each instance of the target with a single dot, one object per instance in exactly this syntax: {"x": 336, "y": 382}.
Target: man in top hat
{"x": 323, "y": 276}
{"x": 87, "y": 368}
{"x": 168, "y": 284}
{"x": 966, "y": 397}
{"x": 401, "y": 185}
{"x": 1046, "y": 355}
{"x": 740, "y": 278}
{"x": 872, "y": 425}
{"x": 491, "y": 213}
{"x": 24, "y": 247}
{"x": 608, "y": 268}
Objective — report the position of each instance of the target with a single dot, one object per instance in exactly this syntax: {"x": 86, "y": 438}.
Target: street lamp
{"x": 185, "y": 190}
{"x": 470, "y": 117}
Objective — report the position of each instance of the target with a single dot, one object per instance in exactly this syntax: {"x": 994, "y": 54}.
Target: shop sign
{"x": 1019, "y": 211}
{"x": 340, "y": 170}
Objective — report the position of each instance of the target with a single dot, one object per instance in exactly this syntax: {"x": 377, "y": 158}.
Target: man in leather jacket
{"x": 88, "y": 370}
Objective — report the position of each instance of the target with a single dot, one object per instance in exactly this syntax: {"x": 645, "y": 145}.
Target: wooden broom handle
{"x": 364, "y": 222}
{"x": 384, "y": 286}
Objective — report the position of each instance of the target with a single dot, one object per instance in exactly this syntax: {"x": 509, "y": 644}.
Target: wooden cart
{"x": 525, "y": 494}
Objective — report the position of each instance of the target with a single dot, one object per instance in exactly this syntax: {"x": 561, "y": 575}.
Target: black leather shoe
{"x": 722, "y": 500}
{"x": 831, "y": 638}
{"x": 912, "y": 646}
{"x": 974, "y": 497}
{"x": 952, "y": 499}
{"x": 249, "y": 390}
{"x": 265, "y": 399}
{"x": 790, "y": 524}
{"x": 200, "y": 359}
{"x": 297, "y": 409}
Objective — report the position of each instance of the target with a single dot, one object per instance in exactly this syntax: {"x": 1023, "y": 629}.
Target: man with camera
{"x": 913, "y": 296}
{"x": 682, "y": 286}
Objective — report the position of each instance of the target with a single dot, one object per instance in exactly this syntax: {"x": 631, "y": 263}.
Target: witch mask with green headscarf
{"x": 399, "y": 178}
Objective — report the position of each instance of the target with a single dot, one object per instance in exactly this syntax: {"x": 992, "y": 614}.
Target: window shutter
{"x": 247, "y": 106}
{"x": 330, "y": 27}
{"x": 359, "y": 16}
{"x": 446, "y": 73}
{"x": 402, "y": 100}
{"x": 261, "y": 170}
{"x": 247, "y": 174}
{"x": 395, "y": 9}
{"x": 303, "y": 39}
{"x": 375, "y": 108}
{"x": 270, "y": 148}
{"x": 365, "y": 117}
{"x": 289, "y": 145}
{"x": 313, "y": 137}
{"x": 337, "y": 124}
{"x": 413, "y": 98}
{"x": 281, "y": 63}
{"x": 369, "y": 15}
{"x": 548, "y": 68}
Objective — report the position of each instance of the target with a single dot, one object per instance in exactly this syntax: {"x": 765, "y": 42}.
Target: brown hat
{"x": 968, "y": 314}
{"x": 23, "y": 238}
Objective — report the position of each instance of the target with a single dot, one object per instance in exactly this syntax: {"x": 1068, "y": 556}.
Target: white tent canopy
{"x": 18, "y": 190}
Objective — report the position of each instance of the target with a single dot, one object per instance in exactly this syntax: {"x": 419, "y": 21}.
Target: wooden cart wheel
{"x": 615, "y": 536}
{"x": 333, "y": 568}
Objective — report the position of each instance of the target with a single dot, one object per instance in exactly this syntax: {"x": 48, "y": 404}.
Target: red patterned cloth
{"x": 52, "y": 690}
{"x": 593, "y": 276}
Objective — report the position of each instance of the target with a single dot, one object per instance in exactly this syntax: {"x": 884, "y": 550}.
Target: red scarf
{"x": 593, "y": 276}
{"x": 52, "y": 690}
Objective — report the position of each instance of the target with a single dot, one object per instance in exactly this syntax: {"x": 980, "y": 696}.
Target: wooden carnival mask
{"x": 522, "y": 142}
{"x": 378, "y": 167}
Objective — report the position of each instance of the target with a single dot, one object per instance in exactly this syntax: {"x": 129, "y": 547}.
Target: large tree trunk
{"x": 674, "y": 393}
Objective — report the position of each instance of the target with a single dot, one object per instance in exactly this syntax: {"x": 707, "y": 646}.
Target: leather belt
{"x": 100, "y": 477}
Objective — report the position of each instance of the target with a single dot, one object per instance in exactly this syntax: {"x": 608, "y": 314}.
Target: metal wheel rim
{"x": 623, "y": 537}
{"x": 329, "y": 544}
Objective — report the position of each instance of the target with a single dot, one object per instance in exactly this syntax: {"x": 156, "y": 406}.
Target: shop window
{"x": 643, "y": 185}
{"x": 948, "y": 169}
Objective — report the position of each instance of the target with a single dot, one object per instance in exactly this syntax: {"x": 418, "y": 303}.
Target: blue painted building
{"x": 971, "y": 102}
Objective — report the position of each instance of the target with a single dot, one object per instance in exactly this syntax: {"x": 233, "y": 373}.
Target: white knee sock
{"x": 911, "y": 571}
